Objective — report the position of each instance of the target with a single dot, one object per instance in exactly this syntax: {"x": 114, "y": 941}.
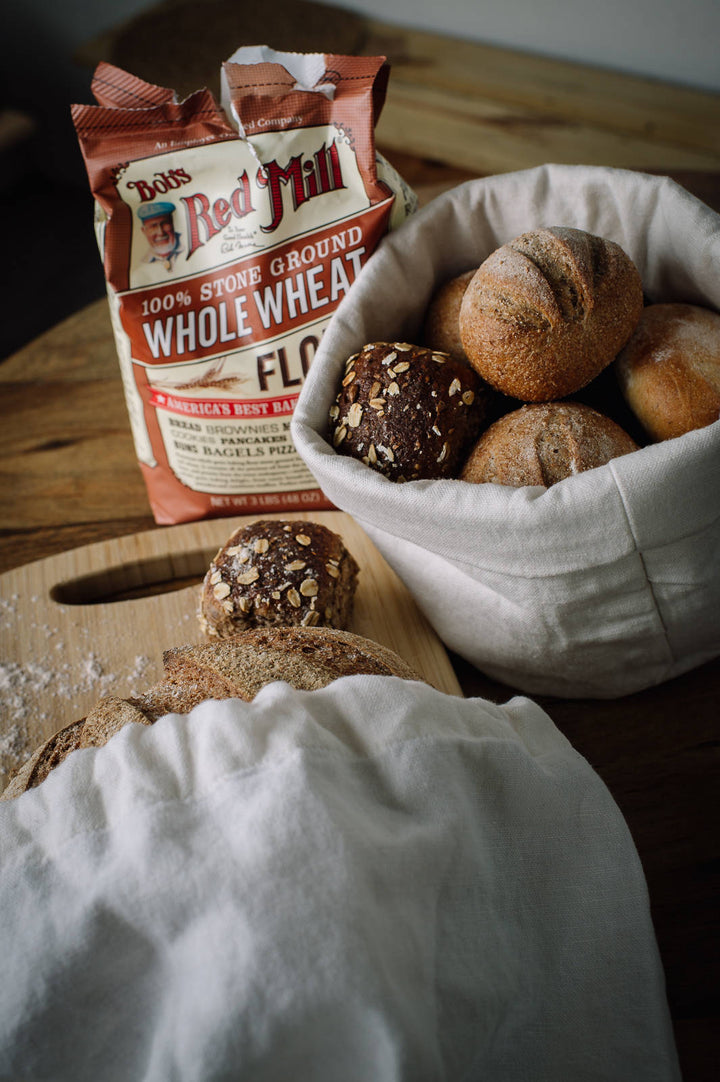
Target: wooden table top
{"x": 69, "y": 474}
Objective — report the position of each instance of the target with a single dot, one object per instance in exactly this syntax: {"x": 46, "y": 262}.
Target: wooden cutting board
{"x": 95, "y": 621}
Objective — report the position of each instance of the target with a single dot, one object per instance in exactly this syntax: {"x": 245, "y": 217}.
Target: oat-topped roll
{"x": 407, "y": 411}
{"x": 278, "y": 572}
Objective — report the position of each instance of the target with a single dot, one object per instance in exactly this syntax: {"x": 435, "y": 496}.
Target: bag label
{"x": 226, "y": 255}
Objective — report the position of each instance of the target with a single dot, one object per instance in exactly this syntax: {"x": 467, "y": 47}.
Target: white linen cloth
{"x": 367, "y": 883}
{"x": 604, "y": 584}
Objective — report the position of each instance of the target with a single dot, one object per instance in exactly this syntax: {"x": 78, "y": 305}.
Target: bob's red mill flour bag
{"x": 230, "y": 233}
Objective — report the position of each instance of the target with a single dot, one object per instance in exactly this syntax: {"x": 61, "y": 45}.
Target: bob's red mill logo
{"x": 304, "y": 177}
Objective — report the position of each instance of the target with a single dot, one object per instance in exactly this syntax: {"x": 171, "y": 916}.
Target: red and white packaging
{"x": 229, "y": 235}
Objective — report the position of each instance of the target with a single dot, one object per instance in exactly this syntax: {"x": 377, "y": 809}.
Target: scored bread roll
{"x": 543, "y": 443}
{"x": 306, "y": 658}
{"x": 544, "y": 314}
{"x": 282, "y": 571}
{"x": 669, "y": 371}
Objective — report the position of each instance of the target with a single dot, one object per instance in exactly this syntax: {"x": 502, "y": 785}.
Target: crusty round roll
{"x": 236, "y": 668}
{"x": 407, "y": 411}
{"x": 282, "y": 571}
{"x": 669, "y": 371}
{"x": 441, "y": 330}
{"x": 544, "y": 314}
{"x": 540, "y": 444}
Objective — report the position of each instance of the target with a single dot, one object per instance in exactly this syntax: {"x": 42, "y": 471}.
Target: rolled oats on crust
{"x": 425, "y": 409}
{"x": 272, "y": 573}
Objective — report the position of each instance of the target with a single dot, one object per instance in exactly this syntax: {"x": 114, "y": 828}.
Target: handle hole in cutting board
{"x": 142, "y": 578}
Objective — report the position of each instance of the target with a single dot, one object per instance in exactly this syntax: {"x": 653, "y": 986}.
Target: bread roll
{"x": 669, "y": 372}
{"x": 406, "y": 411}
{"x": 541, "y": 444}
{"x": 441, "y": 330}
{"x": 307, "y": 658}
{"x": 278, "y": 572}
{"x": 544, "y": 314}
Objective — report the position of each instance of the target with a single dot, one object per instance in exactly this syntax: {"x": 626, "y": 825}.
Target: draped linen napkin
{"x": 604, "y": 584}
{"x": 372, "y": 882}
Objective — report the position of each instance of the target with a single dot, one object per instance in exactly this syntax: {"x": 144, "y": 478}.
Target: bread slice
{"x": 308, "y": 658}
{"x": 44, "y": 759}
{"x": 107, "y": 717}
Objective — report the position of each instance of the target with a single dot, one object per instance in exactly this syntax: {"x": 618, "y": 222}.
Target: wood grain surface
{"x": 491, "y": 109}
{"x": 465, "y": 103}
{"x": 454, "y": 110}
{"x": 70, "y": 478}
{"x": 94, "y": 621}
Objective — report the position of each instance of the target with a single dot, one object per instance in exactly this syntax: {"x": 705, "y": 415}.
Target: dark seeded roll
{"x": 278, "y": 572}
{"x": 543, "y": 443}
{"x": 406, "y": 411}
{"x": 546, "y": 313}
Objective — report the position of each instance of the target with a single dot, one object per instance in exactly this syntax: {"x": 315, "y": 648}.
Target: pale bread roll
{"x": 669, "y": 372}
{"x": 543, "y": 443}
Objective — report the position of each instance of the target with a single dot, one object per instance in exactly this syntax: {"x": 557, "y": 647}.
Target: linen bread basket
{"x": 607, "y": 582}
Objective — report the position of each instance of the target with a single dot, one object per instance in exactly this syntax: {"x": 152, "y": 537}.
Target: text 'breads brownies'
{"x": 544, "y": 314}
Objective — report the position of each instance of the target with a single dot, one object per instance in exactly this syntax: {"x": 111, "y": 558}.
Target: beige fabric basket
{"x": 604, "y": 584}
